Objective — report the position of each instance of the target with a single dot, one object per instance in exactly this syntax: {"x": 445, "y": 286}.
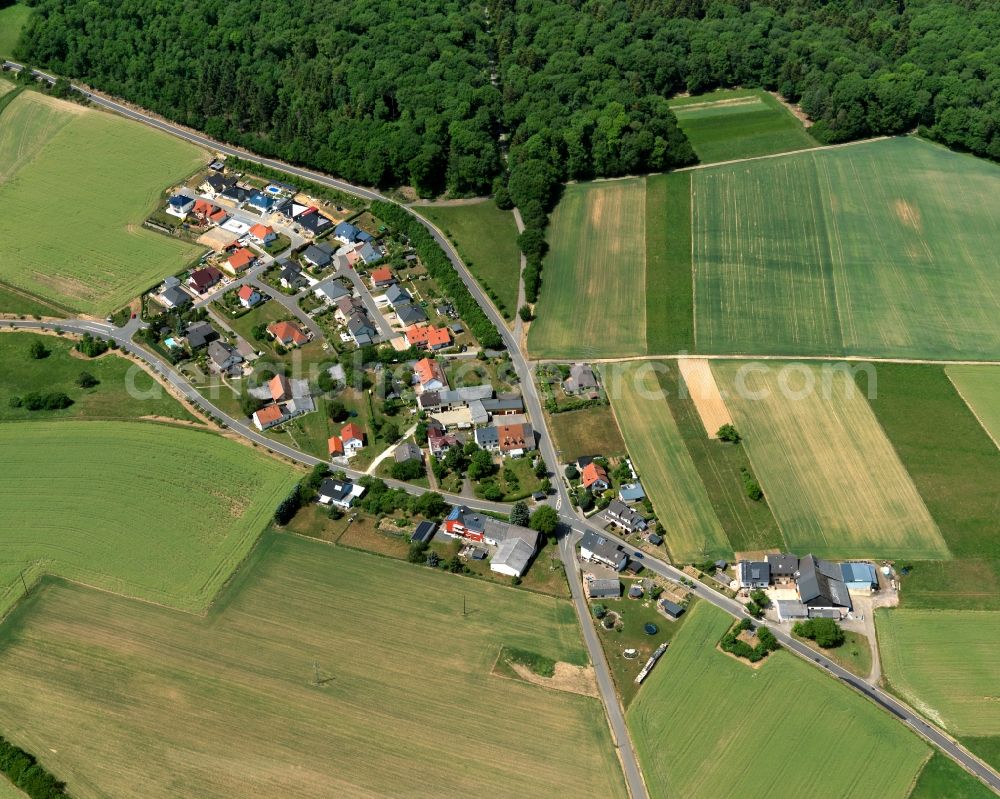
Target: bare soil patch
{"x": 704, "y": 391}
{"x": 569, "y": 678}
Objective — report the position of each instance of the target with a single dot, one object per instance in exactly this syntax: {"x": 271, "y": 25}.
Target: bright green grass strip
{"x": 669, "y": 301}
{"x": 12, "y": 22}
{"x": 960, "y": 584}
{"x": 104, "y": 174}
{"x": 979, "y": 386}
{"x": 734, "y": 124}
{"x": 688, "y": 748}
{"x": 15, "y": 302}
{"x": 985, "y": 748}
{"x": 671, "y": 481}
{"x": 592, "y": 301}
{"x": 942, "y": 777}
{"x": 943, "y": 662}
{"x": 486, "y": 237}
{"x": 151, "y": 511}
{"x": 954, "y": 464}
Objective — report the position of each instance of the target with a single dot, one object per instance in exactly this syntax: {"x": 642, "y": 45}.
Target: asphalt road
{"x": 633, "y": 776}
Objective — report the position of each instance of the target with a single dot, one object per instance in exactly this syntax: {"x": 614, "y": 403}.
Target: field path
{"x": 696, "y": 167}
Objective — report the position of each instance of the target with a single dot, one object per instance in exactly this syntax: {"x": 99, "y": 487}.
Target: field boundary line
{"x": 969, "y": 405}
{"x": 696, "y": 167}
{"x": 744, "y": 357}
{"x": 694, "y": 266}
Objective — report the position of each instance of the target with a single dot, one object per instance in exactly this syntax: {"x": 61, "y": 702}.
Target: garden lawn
{"x": 696, "y": 736}
{"x": 12, "y": 22}
{"x": 979, "y": 386}
{"x": 828, "y": 471}
{"x": 312, "y": 677}
{"x": 102, "y": 175}
{"x": 588, "y": 431}
{"x": 592, "y": 301}
{"x": 943, "y": 662}
{"x": 883, "y": 248}
{"x": 738, "y": 123}
{"x": 669, "y": 477}
{"x": 125, "y": 391}
{"x": 486, "y": 238}
{"x": 151, "y": 511}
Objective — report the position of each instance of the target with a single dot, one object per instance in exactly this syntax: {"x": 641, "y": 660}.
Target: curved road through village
{"x": 572, "y": 521}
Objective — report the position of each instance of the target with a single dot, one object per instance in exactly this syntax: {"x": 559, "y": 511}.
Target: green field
{"x": 942, "y": 776}
{"x": 228, "y": 705}
{"x": 5, "y": 85}
{"x": 831, "y": 476}
{"x": 75, "y": 185}
{"x": 13, "y": 301}
{"x": 690, "y": 526}
{"x": 881, "y": 249}
{"x": 486, "y": 238}
{"x": 944, "y": 663}
{"x": 589, "y": 431}
{"x": 979, "y": 386}
{"x": 738, "y": 123}
{"x": 12, "y": 22}
{"x": 152, "y": 511}
{"x": 109, "y": 400}
{"x": 669, "y": 309}
{"x": 705, "y": 725}
{"x": 592, "y": 301}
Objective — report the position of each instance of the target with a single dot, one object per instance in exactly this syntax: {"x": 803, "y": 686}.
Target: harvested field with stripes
{"x": 691, "y": 527}
{"x": 830, "y": 474}
{"x": 315, "y": 675}
{"x": 883, "y": 248}
{"x": 704, "y": 392}
{"x": 944, "y": 663}
{"x": 705, "y": 724}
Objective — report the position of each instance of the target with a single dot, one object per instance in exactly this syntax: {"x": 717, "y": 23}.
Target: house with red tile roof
{"x": 262, "y": 234}
{"x": 249, "y": 296}
{"x": 433, "y": 338}
{"x": 430, "y": 375}
{"x": 203, "y": 209}
{"x": 595, "y": 477}
{"x": 287, "y": 334}
{"x": 335, "y": 445}
{"x": 353, "y": 437}
{"x": 269, "y": 416}
{"x": 240, "y": 260}
{"x": 515, "y": 439}
{"x": 218, "y": 216}
{"x": 382, "y": 277}
{"x": 280, "y": 388}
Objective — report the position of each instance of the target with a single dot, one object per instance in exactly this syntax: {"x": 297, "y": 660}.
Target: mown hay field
{"x": 979, "y": 386}
{"x": 738, "y": 123}
{"x": 486, "y": 237}
{"x": 705, "y": 724}
{"x": 228, "y": 705}
{"x": 690, "y": 525}
{"x": 76, "y": 185}
{"x": 944, "y": 663}
{"x": 152, "y": 511}
{"x": 589, "y": 431}
{"x": 884, "y": 248}
{"x": 830, "y": 474}
{"x": 5, "y": 86}
{"x": 593, "y": 301}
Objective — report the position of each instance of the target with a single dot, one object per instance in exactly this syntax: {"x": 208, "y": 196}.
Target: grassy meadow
{"x": 486, "y": 237}
{"x": 979, "y": 386}
{"x": 229, "y": 705}
{"x": 738, "y": 123}
{"x": 76, "y": 185}
{"x": 943, "y": 662}
{"x": 882, "y": 249}
{"x": 705, "y": 724}
{"x": 832, "y": 478}
{"x": 589, "y": 431}
{"x": 153, "y": 511}
{"x": 592, "y": 301}
{"x": 942, "y": 776}
{"x": 669, "y": 477}
{"x": 12, "y": 22}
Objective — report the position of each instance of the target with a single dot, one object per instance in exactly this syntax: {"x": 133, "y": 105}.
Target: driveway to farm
{"x": 523, "y": 367}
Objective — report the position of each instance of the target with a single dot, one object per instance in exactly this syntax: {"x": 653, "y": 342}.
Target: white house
{"x": 598, "y": 549}
{"x": 340, "y": 493}
{"x": 249, "y": 296}
{"x": 353, "y": 438}
{"x": 180, "y": 206}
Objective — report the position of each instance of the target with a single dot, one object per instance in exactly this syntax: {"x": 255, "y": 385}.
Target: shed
{"x": 424, "y": 532}
{"x": 604, "y": 588}
{"x": 859, "y": 577}
{"x": 789, "y": 609}
{"x": 671, "y": 609}
{"x": 635, "y": 592}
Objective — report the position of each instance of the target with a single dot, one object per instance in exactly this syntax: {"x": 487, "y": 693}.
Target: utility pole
{"x": 24, "y": 583}
{"x": 464, "y": 609}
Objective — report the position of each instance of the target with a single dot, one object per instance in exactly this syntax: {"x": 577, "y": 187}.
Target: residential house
{"x": 347, "y": 307}
{"x": 202, "y": 280}
{"x": 280, "y": 388}
{"x": 361, "y": 329}
{"x": 174, "y": 297}
{"x": 598, "y": 549}
{"x": 515, "y": 439}
{"x": 330, "y": 291}
{"x": 249, "y": 297}
{"x": 410, "y": 314}
{"x": 602, "y": 588}
{"x": 407, "y": 451}
{"x": 224, "y": 358}
{"x": 595, "y": 477}
{"x": 318, "y": 256}
{"x": 439, "y": 442}
{"x": 203, "y": 210}
{"x": 346, "y": 232}
{"x": 396, "y": 296}
{"x": 624, "y": 516}
{"x": 269, "y": 416}
{"x": 429, "y": 375}
{"x": 313, "y": 222}
{"x": 631, "y": 492}
{"x": 218, "y": 216}
{"x": 262, "y": 235}
{"x": 236, "y": 194}
{"x": 180, "y": 206}
{"x": 369, "y": 253}
{"x": 287, "y": 334}
{"x": 260, "y": 201}
{"x": 199, "y": 334}
{"x": 474, "y": 526}
{"x": 291, "y": 277}
{"x": 353, "y": 437}
{"x": 512, "y": 557}
{"x": 753, "y": 574}
{"x": 215, "y": 184}
{"x": 783, "y": 567}
{"x": 240, "y": 260}
{"x": 382, "y": 277}
{"x": 820, "y": 585}
{"x": 487, "y": 438}
{"x": 341, "y": 493}
{"x": 433, "y": 338}
{"x": 581, "y": 379}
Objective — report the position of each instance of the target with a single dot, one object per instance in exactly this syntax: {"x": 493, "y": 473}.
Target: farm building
{"x": 671, "y": 609}
{"x": 783, "y": 567}
{"x": 753, "y": 574}
{"x": 859, "y": 577}
{"x": 598, "y": 549}
{"x": 512, "y": 557}
{"x": 821, "y": 587}
{"x": 603, "y": 588}
{"x": 790, "y": 610}
{"x": 424, "y": 533}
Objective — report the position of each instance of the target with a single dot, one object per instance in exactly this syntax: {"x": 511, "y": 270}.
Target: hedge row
{"x": 27, "y": 773}
{"x": 441, "y": 269}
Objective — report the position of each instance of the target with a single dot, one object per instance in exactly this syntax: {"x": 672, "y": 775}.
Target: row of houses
{"x": 287, "y": 399}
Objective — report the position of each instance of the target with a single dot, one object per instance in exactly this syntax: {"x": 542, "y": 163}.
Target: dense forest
{"x": 516, "y": 96}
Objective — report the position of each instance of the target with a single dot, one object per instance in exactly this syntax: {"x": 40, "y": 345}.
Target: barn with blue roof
{"x": 859, "y": 576}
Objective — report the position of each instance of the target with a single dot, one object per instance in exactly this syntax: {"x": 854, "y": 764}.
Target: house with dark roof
{"x": 346, "y": 233}
{"x": 396, "y": 296}
{"x": 214, "y": 184}
{"x": 821, "y": 587}
{"x": 581, "y": 379}
{"x": 598, "y": 549}
{"x": 312, "y": 221}
{"x": 410, "y": 314}
{"x": 199, "y": 334}
{"x": 783, "y": 566}
{"x": 440, "y": 442}
{"x": 331, "y": 291}
{"x": 318, "y": 255}
{"x": 341, "y": 493}
{"x": 174, "y": 297}
{"x": 488, "y": 438}
{"x": 625, "y": 517}
{"x": 670, "y": 609}
{"x": 631, "y": 492}
{"x": 407, "y": 451}
{"x": 753, "y": 574}
{"x": 224, "y": 358}
{"x": 202, "y": 280}
{"x": 369, "y": 253}
{"x": 260, "y": 201}
{"x": 361, "y": 329}
{"x": 291, "y": 276}
{"x": 602, "y": 587}
{"x": 462, "y": 522}
{"x": 180, "y": 205}
{"x": 235, "y": 194}
{"x": 423, "y": 533}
